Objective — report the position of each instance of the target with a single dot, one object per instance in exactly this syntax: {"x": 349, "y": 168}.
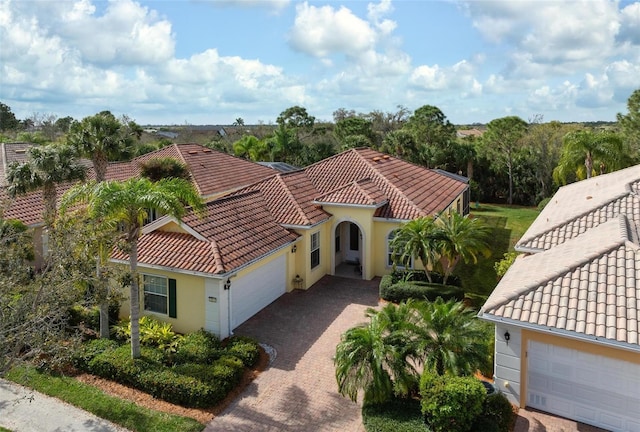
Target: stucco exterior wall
{"x": 507, "y": 362}
{"x": 190, "y": 301}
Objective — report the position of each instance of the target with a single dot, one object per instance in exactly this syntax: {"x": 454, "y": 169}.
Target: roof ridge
{"x": 217, "y": 256}
{"x": 391, "y": 185}
{"x": 292, "y": 198}
{"x": 578, "y": 216}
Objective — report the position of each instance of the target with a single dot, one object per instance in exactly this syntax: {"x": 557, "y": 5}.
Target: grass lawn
{"x": 89, "y": 398}
{"x": 508, "y": 224}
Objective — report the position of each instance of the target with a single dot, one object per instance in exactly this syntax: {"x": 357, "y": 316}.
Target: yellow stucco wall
{"x": 190, "y": 297}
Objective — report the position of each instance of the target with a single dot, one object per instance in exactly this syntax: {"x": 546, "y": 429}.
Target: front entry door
{"x": 353, "y": 248}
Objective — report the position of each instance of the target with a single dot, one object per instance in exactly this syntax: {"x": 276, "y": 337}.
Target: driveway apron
{"x": 298, "y": 391}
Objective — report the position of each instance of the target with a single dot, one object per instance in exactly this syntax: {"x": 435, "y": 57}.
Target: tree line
{"x": 509, "y": 160}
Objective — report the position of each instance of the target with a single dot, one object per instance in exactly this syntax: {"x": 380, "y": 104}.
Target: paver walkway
{"x": 298, "y": 392}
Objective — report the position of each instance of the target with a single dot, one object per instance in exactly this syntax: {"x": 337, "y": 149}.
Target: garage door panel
{"x": 257, "y": 289}
{"x": 601, "y": 391}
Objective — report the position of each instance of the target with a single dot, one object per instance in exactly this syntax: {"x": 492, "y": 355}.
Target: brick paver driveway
{"x": 298, "y": 392}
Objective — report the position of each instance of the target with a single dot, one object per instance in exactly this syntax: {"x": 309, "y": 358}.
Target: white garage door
{"x": 588, "y": 388}
{"x": 254, "y": 291}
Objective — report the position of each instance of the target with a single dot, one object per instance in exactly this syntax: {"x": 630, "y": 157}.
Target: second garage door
{"x": 589, "y": 388}
{"x": 255, "y": 290}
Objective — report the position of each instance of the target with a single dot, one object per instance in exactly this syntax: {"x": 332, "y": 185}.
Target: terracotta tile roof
{"x": 28, "y": 208}
{"x": 289, "y": 198}
{"x": 9, "y": 153}
{"x": 173, "y": 250}
{"x": 212, "y": 172}
{"x": 361, "y": 192}
{"x": 580, "y": 206}
{"x": 238, "y": 229}
{"x": 358, "y": 176}
{"x": 587, "y": 285}
{"x": 412, "y": 190}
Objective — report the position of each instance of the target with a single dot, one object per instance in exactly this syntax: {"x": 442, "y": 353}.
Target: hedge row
{"x": 402, "y": 291}
{"x": 397, "y": 415}
{"x": 199, "y": 374}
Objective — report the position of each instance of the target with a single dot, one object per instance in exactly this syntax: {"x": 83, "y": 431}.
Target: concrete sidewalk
{"x": 25, "y": 410}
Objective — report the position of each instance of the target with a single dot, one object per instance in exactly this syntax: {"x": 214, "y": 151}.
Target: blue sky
{"x": 210, "y": 62}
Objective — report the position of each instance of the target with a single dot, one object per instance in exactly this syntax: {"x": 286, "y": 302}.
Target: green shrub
{"x": 227, "y": 371}
{"x": 402, "y": 291}
{"x": 246, "y": 349}
{"x": 88, "y": 351}
{"x": 117, "y": 364}
{"x": 166, "y": 384}
{"x": 79, "y": 315}
{"x": 397, "y": 415}
{"x": 152, "y": 333}
{"x": 197, "y": 347}
{"x": 497, "y": 415}
{"x": 450, "y": 403}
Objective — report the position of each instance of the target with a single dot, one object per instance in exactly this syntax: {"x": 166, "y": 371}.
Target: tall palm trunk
{"x": 135, "y": 296}
{"x": 100, "y": 164}
{"x": 588, "y": 164}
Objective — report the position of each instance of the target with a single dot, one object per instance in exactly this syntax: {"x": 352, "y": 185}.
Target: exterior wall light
{"x": 227, "y": 284}
{"x": 294, "y": 248}
{"x": 507, "y": 337}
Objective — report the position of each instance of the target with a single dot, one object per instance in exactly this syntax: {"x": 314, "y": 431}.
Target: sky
{"x": 196, "y": 62}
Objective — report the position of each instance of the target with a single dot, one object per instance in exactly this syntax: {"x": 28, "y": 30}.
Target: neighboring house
{"x": 9, "y": 153}
{"x": 466, "y": 133}
{"x": 567, "y": 311}
{"x": 265, "y": 233}
{"x": 283, "y": 232}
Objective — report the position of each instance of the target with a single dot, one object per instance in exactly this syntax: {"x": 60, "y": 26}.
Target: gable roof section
{"x": 580, "y": 206}
{"x": 289, "y": 198}
{"x": 358, "y": 193}
{"x": 588, "y": 285}
{"x": 412, "y": 191}
{"x": 237, "y": 230}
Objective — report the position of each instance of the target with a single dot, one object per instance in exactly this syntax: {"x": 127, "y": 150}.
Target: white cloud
{"x": 275, "y": 5}
{"x": 458, "y": 77}
{"x": 324, "y": 31}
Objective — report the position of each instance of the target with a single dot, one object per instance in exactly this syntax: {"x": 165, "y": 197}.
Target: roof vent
{"x": 589, "y": 197}
{"x": 193, "y": 151}
{"x": 206, "y": 151}
{"x": 385, "y": 157}
{"x": 20, "y": 151}
{"x": 376, "y": 159}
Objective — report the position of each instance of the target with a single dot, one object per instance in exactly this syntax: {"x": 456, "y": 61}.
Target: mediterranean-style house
{"x": 567, "y": 314}
{"x": 266, "y": 232}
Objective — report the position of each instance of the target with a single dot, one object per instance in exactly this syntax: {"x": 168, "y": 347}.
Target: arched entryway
{"x": 348, "y": 242}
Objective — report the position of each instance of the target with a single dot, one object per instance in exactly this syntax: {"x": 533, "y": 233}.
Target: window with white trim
{"x": 315, "y": 249}
{"x": 156, "y": 293}
{"x": 390, "y": 237}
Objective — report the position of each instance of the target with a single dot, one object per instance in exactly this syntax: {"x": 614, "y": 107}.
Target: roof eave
{"x": 559, "y": 332}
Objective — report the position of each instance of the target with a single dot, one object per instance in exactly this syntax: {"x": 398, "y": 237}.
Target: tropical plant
{"x": 45, "y": 168}
{"x": 374, "y": 357}
{"x": 416, "y": 239}
{"x": 586, "y": 153}
{"x": 127, "y": 203}
{"x": 252, "y": 148}
{"x": 460, "y": 237}
{"x": 451, "y": 338}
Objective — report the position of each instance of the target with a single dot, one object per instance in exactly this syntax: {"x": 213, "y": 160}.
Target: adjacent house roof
{"x": 9, "y": 153}
{"x": 234, "y": 231}
{"x": 587, "y": 285}
{"x": 581, "y": 275}
{"x": 580, "y": 206}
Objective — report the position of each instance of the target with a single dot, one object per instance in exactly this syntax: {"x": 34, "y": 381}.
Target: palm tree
{"x": 460, "y": 237}
{"x": 584, "y": 151}
{"x": 45, "y": 167}
{"x": 127, "y": 203}
{"x": 416, "y": 239}
{"x": 451, "y": 337}
{"x": 252, "y": 148}
{"x": 102, "y": 138}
